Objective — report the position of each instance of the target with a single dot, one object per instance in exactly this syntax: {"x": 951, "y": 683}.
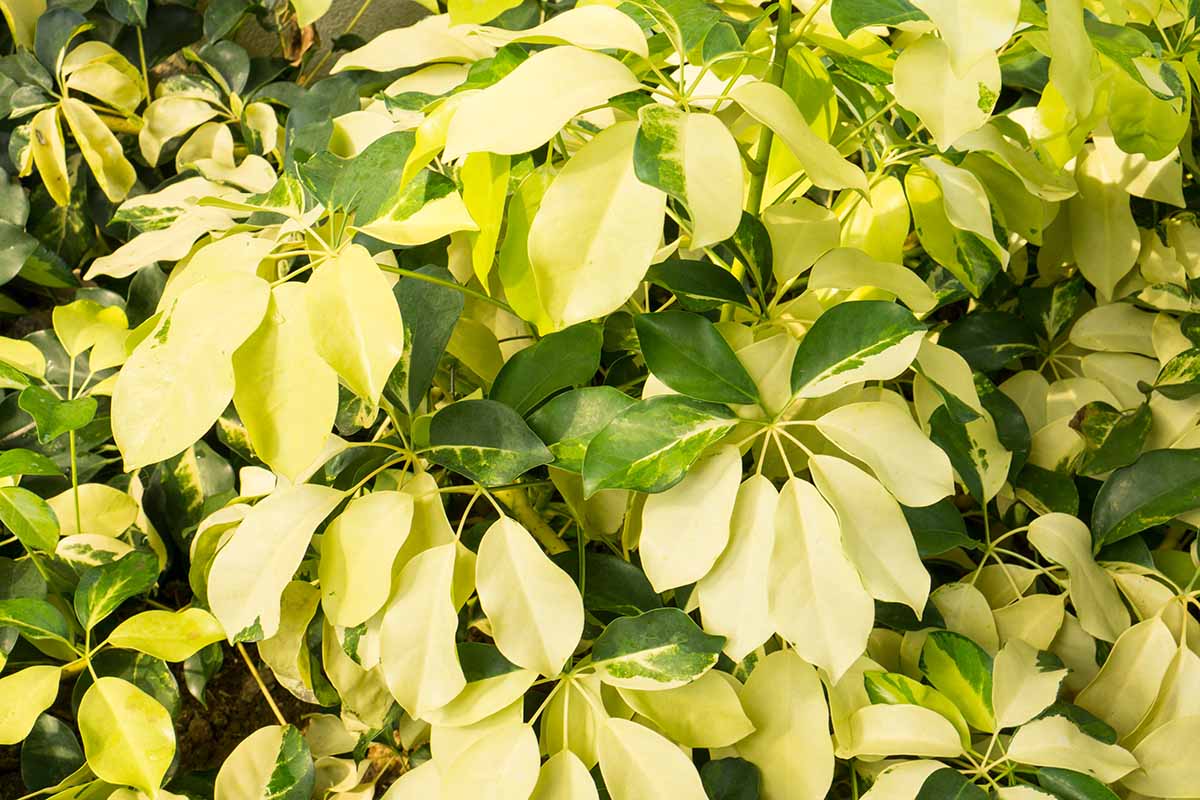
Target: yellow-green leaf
{"x": 127, "y": 735}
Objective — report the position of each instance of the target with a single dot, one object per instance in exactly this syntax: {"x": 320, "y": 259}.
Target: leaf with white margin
{"x": 355, "y": 322}
{"x": 357, "y": 553}
{"x": 703, "y": 713}
{"x": 902, "y": 781}
{"x": 596, "y": 231}
{"x": 535, "y": 608}
{"x": 791, "y": 745}
{"x": 1104, "y": 236}
{"x": 965, "y": 610}
{"x": 127, "y": 735}
{"x": 659, "y": 649}
{"x": 273, "y": 762}
{"x": 1067, "y": 541}
{"x": 849, "y": 268}
{"x": 973, "y": 29}
{"x": 695, "y": 159}
{"x": 686, "y": 528}
{"x": 1023, "y": 684}
{"x": 285, "y": 393}
{"x": 564, "y": 777}
{"x": 418, "y": 654}
{"x": 638, "y": 763}
{"x": 950, "y": 105}
{"x": 169, "y": 635}
{"x": 854, "y": 342}
{"x": 886, "y": 439}
{"x": 429, "y": 40}
{"x": 24, "y": 695}
{"x": 180, "y": 378}
{"x": 593, "y": 27}
{"x": 503, "y": 765}
{"x": 249, "y": 573}
{"x": 875, "y": 533}
{"x": 821, "y": 161}
{"x": 817, "y": 599}
{"x": 552, "y": 86}
{"x": 734, "y": 599}
{"x": 1058, "y": 742}
{"x": 903, "y": 730}
{"x": 1129, "y": 681}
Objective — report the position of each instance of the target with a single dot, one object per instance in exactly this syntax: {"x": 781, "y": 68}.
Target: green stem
{"x": 524, "y": 513}
{"x": 71, "y": 445}
{"x": 142, "y": 59}
{"x": 407, "y": 273}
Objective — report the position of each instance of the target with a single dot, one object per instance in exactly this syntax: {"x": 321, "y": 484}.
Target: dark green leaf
{"x": 649, "y": 446}
{"x": 846, "y": 336}
{"x": 698, "y": 285}
{"x": 660, "y": 648}
{"x": 990, "y": 340}
{"x": 850, "y": 15}
{"x": 16, "y": 246}
{"x": 569, "y": 422}
{"x": 956, "y": 442}
{"x": 127, "y": 12}
{"x": 1160, "y": 485}
{"x": 55, "y": 30}
{"x": 686, "y": 352}
{"x": 1051, "y": 308}
{"x": 200, "y": 667}
{"x": 1047, "y": 491}
{"x": 1066, "y": 784}
{"x": 1011, "y": 428}
{"x": 102, "y": 589}
{"x": 430, "y": 313}
{"x": 169, "y": 28}
{"x": 1112, "y": 438}
{"x": 611, "y": 585}
{"x": 949, "y": 784}
{"x": 558, "y": 361}
{"x": 29, "y": 518}
{"x": 486, "y": 441}
{"x": 938, "y": 528}
{"x": 49, "y": 753}
{"x": 730, "y": 779}
{"x": 55, "y": 417}
{"x": 480, "y": 661}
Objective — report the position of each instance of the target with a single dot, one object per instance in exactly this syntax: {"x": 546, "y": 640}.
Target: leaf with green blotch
{"x": 1011, "y": 427}
{"x": 1046, "y": 491}
{"x": 49, "y": 754}
{"x": 730, "y": 779}
{"x": 660, "y": 649}
{"x": 938, "y": 528}
{"x": 484, "y": 440}
{"x": 949, "y": 784}
{"x": 698, "y": 285}
{"x": 1111, "y": 438}
{"x": 1157, "y": 487}
{"x": 29, "y": 518}
{"x": 560, "y": 360}
{"x": 292, "y": 774}
{"x": 990, "y": 340}
{"x": 861, "y": 340}
{"x": 962, "y": 671}
{"x": 1085, "y": 720}
{"x": 34, "y": 617}
{"x": 1051, "y": 308}
{"x": 53, "y": 416}
{"x": 102, "y": 589}
{"x": 152, "y": 675}
{"x": 892, "y": 688}
{"x": 1067, "y": 784}
{"x": 20, "y": 461}
{"x": 685, "y": 351}
{"x": 569, "y": 422}
{"x": 850, "y": 15}
{"x": 968, "y": 454}
{"x": 649, "y": 446}
{"x": 751, "y": 243}
{"x": 1179, "y": 378}
{"x": 430, "y": 313}
{"x": 611, "y": 585}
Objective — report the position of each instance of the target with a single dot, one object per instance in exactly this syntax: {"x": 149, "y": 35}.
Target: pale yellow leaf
{"x": 357, "y": 553}
{"x": 638, "y": 763}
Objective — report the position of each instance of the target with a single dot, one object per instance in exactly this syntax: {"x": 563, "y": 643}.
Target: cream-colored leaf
{"x": 949, "y": 104}
{"x": 100, "y": 149}
{"x": 703, "y": 713}
{"x": 482, "y": 698}
{"x": 1034, "y": 620}
{"x": 903, "y": 730}
{"x": 1071, "y": 56}
{"x": 564, "y": 777}
{"x": 49, "y": 151}
{"x": 23, "y": 355}
{"x": 574, "y": 717}
{"x": 849, "y": 269}
{"x": 1065, "y": 540}
{"x": 686, "y": 528}
{"x": 966, "y": 611}
{"x": 1126, "y": 686}
{"x": 594, "y": 27}
{"x": 801, "y": 232}
{"x": 286, "y": 650}
{"x": 1057, "y": 742}
{"x": 249, "y": 573}
{"x": 973, "y": 29}
{"x": 1104, "y": 236}
{"x": 24, "y": 695}
{"x": 357, "y": 553}
{"x": 1021, "y": 686}
{"x": 902, "y": 781}
{"x": 534, "y": 607}
{"x": 168, "y": 117}
{"x": 503, "y": 765}
{"x": 429, "y": 40}
{"x": 1169, "y": 761}
{"x": 103, "y": 510}
{"x": 638, "y": 763}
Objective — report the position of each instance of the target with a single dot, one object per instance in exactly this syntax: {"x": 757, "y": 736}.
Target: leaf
{"x": 273, "y": 762}
{"x": 34, "y": 618}
{"x": 1024, "y": 683}
{"x": 557, "y": 361}
{"x": 569, "y": 421}
{"x": 695, "y": 159}
{"x": 53, "y": 416}
{"x": 127, "y": 735}
{"x": 358, "y": 550}
{"x": 102, "y": 589}
{"x": 354, "y": 321}
{"x": 534, "y": 607}
{"x": 850, "y": 269}
{"x": 1104, "y": 237}
{"x": 592, "y": 27}
{"x": 949, "y": 784}
{"x": 981, "y": 461}
{"x": 791, "y": 745}
{"x": 703, "y": 713}
{"x": 649, "y": 446}
{"x": 1124, "y": 689}
{"x": 698, "y": 285}
{"x": 485, "y": 441}
{"x": 596, "y": 231}
{"x": 1066, "y": 541}
{"x": 990, "y": 340}
{"x": 100, "y": 149}
{"x": 169, "y": 635}
{"x": 50, "y": 754}
{"x": 502, "y": 764}
{"x": 1068, "y": 785}
{"x": 896, "y": 689}
{"x": 1112, "y": 438}
{"x": 430, "y": 313}
{"x": 951, "y": 100}
{"x": 50, "y": 154}
{"x": 284, "y": 393}
{"x": 817, "y": 599}
{"x": 962, "y": 671}
{"x": 852, "y": 342}
{"x": 688, "y": 354}
{"x": 1057, "y": 742}
{"x": 553, "y": 85}
{"x": 24, "y": 695}
{"x": 29, "y": 518}
{"x": 485, "y": 188}
{"x": 660, "y": 649}
{"x": 824, "y": 165}
{"x": 180, "y": 378}
{"x": 638, "y": 763}
{"x": 730, "y": 779}
{"x": 850, "y": 15}
{"x": 249, "y": 573}
{"x": 563, "y": 776}
{"x": 1157, "y": 487}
